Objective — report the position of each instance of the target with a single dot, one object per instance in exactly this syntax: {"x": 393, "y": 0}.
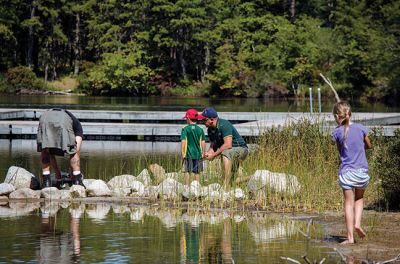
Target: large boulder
{"x": 170, "y": 188}
{"x": 158, "y": 172}
{"x": 121, "y": 181}
{"x": 98, "y": 188}
{"x": 25, "y": 193}
{"x": 77, "y": 191}
{"x": 6, "y": 188}
{"x": 144, "y": 177}
{"x": 278, "y": 182}
{"x": 18, "y": 209}
{"x": 21, "y": 178}
{"x": 50, "y": 193}
{"x": 194, "y": 191}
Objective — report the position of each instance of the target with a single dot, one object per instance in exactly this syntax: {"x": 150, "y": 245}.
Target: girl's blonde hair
{"x": 342, "y": 113}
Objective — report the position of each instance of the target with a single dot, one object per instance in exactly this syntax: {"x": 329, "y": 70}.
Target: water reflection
{"x": 154, "y": 103}
{"x": 56, "y": 246}
{"x": 122, "y": 233}
{"x": 99, "y": 160}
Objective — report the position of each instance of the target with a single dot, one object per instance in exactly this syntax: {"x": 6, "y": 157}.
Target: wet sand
{"x": 381, "y": 243}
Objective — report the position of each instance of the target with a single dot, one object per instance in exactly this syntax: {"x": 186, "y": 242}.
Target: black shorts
{"x": 193, "y": 165}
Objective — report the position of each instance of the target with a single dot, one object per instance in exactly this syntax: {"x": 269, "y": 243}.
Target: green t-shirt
{"x": 225, "y": 129}
{"x": 194, "y": 136}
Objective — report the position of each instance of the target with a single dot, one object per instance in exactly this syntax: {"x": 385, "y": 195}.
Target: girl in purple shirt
{"x": 352, "y": 140}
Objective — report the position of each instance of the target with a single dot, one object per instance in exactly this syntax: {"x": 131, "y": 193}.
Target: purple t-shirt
{"x": 352, "y": 154}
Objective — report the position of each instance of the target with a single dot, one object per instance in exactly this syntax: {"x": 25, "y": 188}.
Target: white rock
{"x": 144, "y": 177}
{"x": 151, "y": 192}
{"x": 98, "y": 188}
{"x": 25, "y": 193}
{"x": 279, "y": 182}
{"x": 170, "y": 188}
{"x": 87, "y": 182}
{"x": 19, "y": 177}
{"x": 65, "y": 195}
{"x": 77, "y": 191}
{"x": 121, "y": 192}
{"x": 51, "y": 193}
{"x": 121, "y": 181}
{"x": 6, "y": 188}
{"x": 137, "y": 189}
{"x": 158, "y": 172}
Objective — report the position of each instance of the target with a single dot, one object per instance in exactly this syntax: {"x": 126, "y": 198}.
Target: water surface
{"x": 181, "y": 104}
{"x": 104, "y": 233}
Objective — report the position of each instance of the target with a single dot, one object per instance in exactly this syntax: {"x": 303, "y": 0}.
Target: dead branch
{"x": 341, "y": 255}
{"x": 291, "y": 260}
{"x": 330, "y": 85}
{"x": 390, "y": 260}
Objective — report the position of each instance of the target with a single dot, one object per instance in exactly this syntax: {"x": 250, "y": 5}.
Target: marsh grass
{"x": 302, "y": 148}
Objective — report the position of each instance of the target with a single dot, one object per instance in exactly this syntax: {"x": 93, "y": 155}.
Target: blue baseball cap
{"x": 208, "y": 112}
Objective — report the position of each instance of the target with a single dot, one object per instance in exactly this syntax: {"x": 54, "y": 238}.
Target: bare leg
{"x": 75, "y": 162}
{"x": 196, "y": 177}
{"x": 227, "y": 173}
{"x": 46, "y": 160}
{"x": 54, "y": 165}
{"x": 349, "y": 215}
{"x": 186, "y": 178}
{"x": 358, "y": 209}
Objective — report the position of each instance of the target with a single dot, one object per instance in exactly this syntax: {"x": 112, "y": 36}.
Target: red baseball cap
{"x": 191, "y": 114}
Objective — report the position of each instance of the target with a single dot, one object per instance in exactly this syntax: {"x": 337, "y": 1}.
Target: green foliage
{"x": 388, "y": 168}
{"x": 123, "y": 71}
{"x": 235, "y": 47}
{"x": 23, "y": 78}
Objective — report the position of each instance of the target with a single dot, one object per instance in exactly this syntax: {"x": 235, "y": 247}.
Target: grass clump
{"x": 303, "y": 149}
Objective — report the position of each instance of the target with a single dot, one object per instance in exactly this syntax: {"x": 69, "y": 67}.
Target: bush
{"x": 388, "y": 161}
{"x": 22, "y": 77}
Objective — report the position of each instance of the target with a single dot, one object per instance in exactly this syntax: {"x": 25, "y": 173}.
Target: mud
{"x": 382, "y": 242}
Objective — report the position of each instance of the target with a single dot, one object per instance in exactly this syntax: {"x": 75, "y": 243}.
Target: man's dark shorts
{"x": 193, "y": 165}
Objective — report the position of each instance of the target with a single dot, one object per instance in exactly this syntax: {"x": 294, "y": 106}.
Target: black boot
{"x": 78, "y": 180}
{"x": 46, "y": 181}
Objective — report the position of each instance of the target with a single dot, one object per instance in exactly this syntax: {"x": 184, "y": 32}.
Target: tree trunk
{"x": 77, "y": 50}
{"x": 206, "y": 63}
{"x": 29, "y": 57}
{"x": 182, "y": 63}
{"x": 292, "y": 10}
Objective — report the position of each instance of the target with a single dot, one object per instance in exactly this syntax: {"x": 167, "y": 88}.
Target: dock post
{"x": 311, "y": 107}
{"x": 319, "y": 100}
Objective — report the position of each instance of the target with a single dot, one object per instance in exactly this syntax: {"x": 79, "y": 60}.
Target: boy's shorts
{"x": 193, "y": 165}
{"x": 354, "y": 179}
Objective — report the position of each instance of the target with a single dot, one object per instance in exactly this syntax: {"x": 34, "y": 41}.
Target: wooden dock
{"x": 166, "y": 126}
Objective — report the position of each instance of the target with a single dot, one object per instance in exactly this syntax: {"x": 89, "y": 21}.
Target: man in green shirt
{"x": 225, "y": 141}
{"x": 193, "y": 146}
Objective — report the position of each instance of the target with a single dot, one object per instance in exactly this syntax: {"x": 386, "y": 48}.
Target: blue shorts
{"x": 193, "y": 165}
{"x": 354, "y": 179}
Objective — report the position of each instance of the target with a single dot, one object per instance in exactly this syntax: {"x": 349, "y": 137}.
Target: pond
{"x": 181, "y": 104}
{"x": 99, "y": 159}
{"x": 112, "y": 233}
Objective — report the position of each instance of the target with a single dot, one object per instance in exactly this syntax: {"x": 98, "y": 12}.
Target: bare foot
{"x": 360, "y": 232}
{"x": 347, "y": 242}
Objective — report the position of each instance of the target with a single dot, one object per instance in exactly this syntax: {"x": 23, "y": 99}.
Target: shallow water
{"x": 182, "y": 104}
{"x": 111, "y": 233}
{"x": 99, "y": 159}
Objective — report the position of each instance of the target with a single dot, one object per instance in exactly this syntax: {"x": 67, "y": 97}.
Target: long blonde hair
{"x": 342, "y": 113}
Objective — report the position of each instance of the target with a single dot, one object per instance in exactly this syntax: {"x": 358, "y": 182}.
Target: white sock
{"x": 76, "y": 173}
{"x": 46, "y": 172}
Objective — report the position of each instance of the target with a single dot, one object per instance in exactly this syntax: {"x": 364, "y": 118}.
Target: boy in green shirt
{"x": 192, "y": 146}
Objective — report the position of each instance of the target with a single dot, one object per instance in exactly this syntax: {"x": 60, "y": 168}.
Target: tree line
{"x": 205, "y": 47}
